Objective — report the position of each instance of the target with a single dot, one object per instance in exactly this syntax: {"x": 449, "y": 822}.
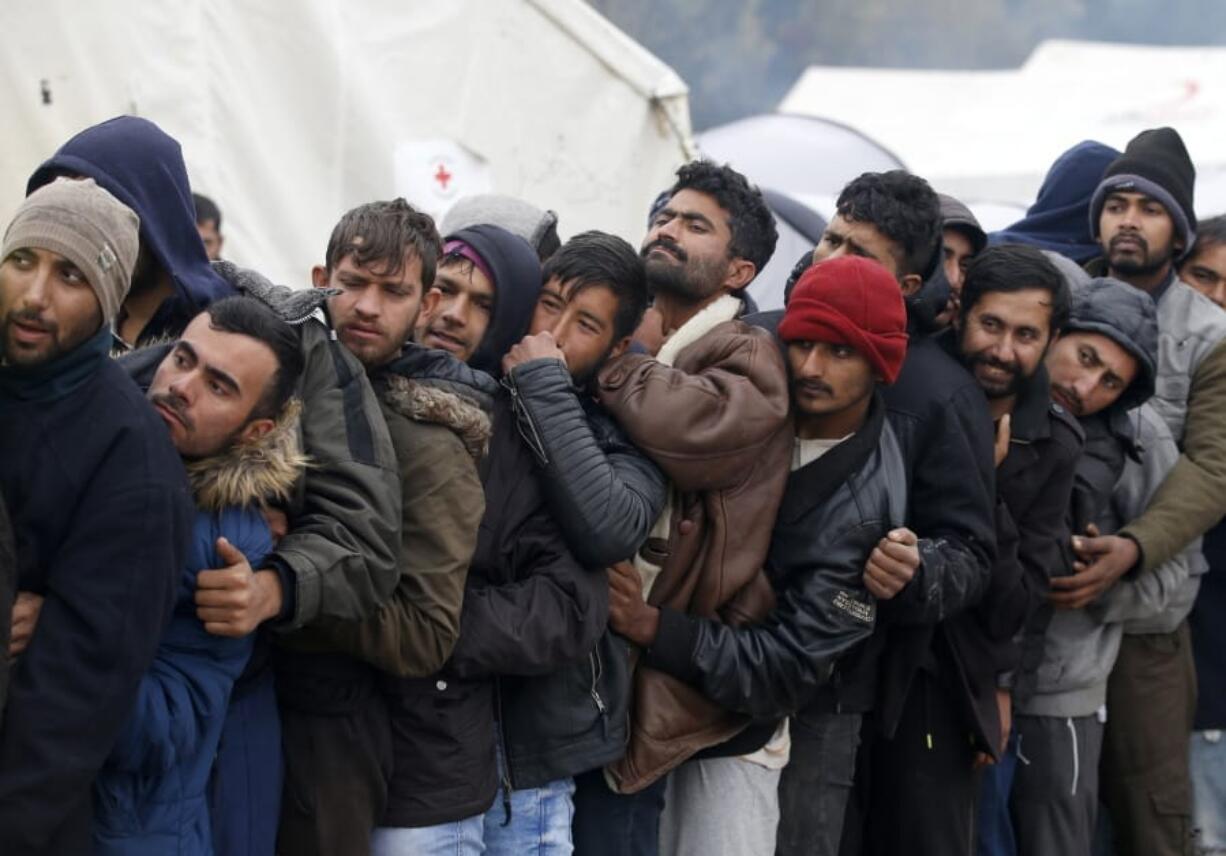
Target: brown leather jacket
{"x": 717, "y": 424}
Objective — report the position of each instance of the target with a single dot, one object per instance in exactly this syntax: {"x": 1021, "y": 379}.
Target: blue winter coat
{"x": 152, "y": 795}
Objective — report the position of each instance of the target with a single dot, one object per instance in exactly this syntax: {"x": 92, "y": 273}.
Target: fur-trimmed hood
{"x": 252, "y": 473}
{"x": 429, "y": 385}
{"x": 423, "y": 401}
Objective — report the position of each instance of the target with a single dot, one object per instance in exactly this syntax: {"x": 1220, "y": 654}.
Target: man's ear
{"x": 319, "y": 276}
{"x": 911, "y": 284}
{"x": 619, "y": 348}
{"x": 740, "y": 273}
{"x": 429, "y": 304}
{"x": 255, "y": 429}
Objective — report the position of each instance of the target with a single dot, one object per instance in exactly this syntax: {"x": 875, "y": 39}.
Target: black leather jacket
{"x": 604, "y": 493}
{"x": 834, "y": 512}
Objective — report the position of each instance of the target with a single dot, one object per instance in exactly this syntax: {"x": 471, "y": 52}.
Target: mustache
{"x": 813, "y": 386}
{"x": 175, "y": 405}
{"x": 32, "y": 318}
{"x": 1130, "y": 236}
{"x": 1071, "y": 397}
{"x": 665, "y": 244}
{"x": 992, "y": 362}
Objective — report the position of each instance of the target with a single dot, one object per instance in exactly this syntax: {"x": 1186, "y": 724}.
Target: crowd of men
{"x": 494, "y": 543}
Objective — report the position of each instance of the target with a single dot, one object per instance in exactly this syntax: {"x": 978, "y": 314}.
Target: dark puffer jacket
{"x": 834, "y": 512}
{"x": 532, "y": 620}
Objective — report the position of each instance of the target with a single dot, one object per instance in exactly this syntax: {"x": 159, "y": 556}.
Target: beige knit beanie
{"x": 86, "y": 225}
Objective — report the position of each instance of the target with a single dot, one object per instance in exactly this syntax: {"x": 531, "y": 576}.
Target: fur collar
{"x": 423, "y": 401}
{"x": 252, "y": 473}
{"x": 708, "y": 318}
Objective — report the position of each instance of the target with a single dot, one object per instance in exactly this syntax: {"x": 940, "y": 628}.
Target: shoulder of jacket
{"x": 1194, "y": 314}
{"x": 1064, "y": 421}
{"x": 423, "y": 405}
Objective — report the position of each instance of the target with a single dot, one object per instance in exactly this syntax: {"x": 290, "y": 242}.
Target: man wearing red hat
{"x": 845, "y": 335}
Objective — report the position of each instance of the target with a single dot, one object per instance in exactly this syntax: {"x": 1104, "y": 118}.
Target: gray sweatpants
{"x": 1054, "y": 803}
{"x": 720, "y": 807}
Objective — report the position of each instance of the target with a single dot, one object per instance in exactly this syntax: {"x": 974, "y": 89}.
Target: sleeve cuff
{"x": 1135, "y": 537}
{"x": 673, "y": 650}
{"x": 289, "y": 587}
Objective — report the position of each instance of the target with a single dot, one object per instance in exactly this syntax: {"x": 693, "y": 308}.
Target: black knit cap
{"x": 1155, "y": 163}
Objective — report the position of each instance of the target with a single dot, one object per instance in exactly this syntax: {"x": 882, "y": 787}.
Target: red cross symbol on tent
{"x": 443, "y": 177}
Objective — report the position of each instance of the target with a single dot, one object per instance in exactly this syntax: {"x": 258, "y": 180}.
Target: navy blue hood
{"x": 517, "y": 284}
{"x": 142, "y": 166}
{"x": 1059, "y": 218}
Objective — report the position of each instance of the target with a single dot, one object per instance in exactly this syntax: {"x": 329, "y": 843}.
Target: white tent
{"x": 292, "y": 111}
{"x": 991, "y": 135}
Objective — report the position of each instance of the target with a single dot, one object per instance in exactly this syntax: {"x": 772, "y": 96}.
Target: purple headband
{"x": 463, "y": 249}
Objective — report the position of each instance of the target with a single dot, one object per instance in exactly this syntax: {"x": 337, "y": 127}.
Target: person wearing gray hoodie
{"x": 1102, "y": 371}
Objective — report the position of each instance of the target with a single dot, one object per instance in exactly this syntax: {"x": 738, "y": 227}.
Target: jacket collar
{"x": 724, "y": 309}
{"x": 430, "y": 385}
{"x": 439, "y": 368}
{"x": 251, "y": 473}
{"x": 1030, "y": 420}
{"x": 814, "y": 484}
{"x": 61, "y": 376}
{"x": 425, "y": 401}
{"x": 1098, "y": 267}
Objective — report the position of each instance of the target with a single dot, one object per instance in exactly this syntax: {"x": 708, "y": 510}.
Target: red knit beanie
{"x": 850, "y": 301}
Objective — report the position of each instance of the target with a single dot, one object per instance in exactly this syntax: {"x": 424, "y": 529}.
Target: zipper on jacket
{"x": 597, "y": 672}
{"x": 927, "y": 713}
{"x": 523, "y": 418}
{"x": 505, "y": 781}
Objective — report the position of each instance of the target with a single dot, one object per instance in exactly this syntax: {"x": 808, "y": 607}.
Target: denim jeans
{"x": 460, "y": 838}
{"x": 1208, "y": 762}
{"x": 613, "y": 824}
{"x": 540, "y": 821}
{"x": 816, "y": 784}
{"x": 994, "y": 836}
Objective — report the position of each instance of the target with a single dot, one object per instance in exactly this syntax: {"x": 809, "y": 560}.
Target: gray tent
{"x": 801, "y": 163}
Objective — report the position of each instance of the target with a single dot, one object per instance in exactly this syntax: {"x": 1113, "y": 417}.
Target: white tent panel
{"x": 993, "y": 134}
{"x": 292, "y": 111}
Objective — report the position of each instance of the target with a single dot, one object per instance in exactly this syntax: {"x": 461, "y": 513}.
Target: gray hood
{"x": 1126, "y": 316}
